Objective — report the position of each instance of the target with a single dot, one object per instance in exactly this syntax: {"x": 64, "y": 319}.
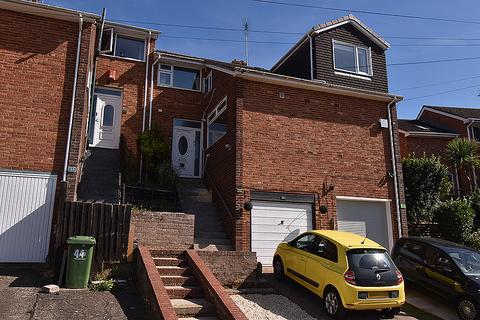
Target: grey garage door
{"x": 26, "y": 207}
{"x": 365, "y": 218}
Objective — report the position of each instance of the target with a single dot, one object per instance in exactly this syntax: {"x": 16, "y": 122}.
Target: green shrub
{"x": 423, "y": 179}
{"x": 166, "y": 176}
{"x": 473, "y": 241}
{"x": 475, "y": 203}
{"x": 104, "y": 285}
{"x": 455, "y": 220}
{"x": 154, "y": 150}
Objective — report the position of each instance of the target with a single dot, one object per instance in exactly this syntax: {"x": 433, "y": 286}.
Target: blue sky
{"x": 231, "y": 14}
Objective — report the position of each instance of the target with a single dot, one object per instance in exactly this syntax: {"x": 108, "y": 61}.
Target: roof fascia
{"x": 443, "y": 113}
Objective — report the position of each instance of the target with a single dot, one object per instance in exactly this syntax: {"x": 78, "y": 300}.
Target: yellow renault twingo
{"x": 348, "y": 271}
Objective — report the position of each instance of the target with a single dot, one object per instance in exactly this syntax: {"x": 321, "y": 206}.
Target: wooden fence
{"x": 108, "y": 223}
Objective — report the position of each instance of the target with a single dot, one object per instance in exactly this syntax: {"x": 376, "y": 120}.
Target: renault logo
{"x": 378, "y": 276}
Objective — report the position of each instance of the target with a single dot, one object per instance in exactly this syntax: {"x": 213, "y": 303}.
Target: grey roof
{"x": 467, "y": 113}
{"x": 352, "y": 18}
{"x": 420, "y": 127}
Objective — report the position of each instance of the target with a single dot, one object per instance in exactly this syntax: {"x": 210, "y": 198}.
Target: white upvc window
{"x": 117, "y": 45}
{"x": 217, "y": 123}
{"x": 208, "y": 83}
{"x": 352, "y": 58}
{"x": 179, "y": 77}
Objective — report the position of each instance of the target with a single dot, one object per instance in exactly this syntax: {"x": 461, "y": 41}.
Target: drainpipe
{"x": 394, "y": 165}
{"x": 146, "y": 82}
{"x": 74, "y": 93}
{"x": 151, "y": 91}
{"x": 145, "y": 100}
{"x": 311, "y": 56}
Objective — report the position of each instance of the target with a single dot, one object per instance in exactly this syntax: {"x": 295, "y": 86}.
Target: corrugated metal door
{"x": 275, "y": 222}
{"x": 26, "y": 209}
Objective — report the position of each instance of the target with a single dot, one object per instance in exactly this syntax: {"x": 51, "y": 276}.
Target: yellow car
{"x": 348, "y": 271}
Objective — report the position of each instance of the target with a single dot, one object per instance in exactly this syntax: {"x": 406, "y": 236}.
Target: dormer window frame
{"x": 113, "y": 35}
{"x": 357, "y": 72}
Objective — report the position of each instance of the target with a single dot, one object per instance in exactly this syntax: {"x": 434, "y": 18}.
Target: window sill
{"x": 171, "y": 87}
{"x": 353, "y": 75}
{"x": 121, "y": 58}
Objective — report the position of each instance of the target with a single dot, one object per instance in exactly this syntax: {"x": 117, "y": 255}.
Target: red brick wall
{"x": 37, "y": 63}
{"x": 309, "y": 138}
{"x": 424, "y": 146}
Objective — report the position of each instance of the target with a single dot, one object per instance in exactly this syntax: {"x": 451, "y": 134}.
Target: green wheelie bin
{"x": 79, "y": 261}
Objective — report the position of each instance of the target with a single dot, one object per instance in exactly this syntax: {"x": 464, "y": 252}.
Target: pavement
{"x": 429, "y": 302}
{"x": 20, "y": 299}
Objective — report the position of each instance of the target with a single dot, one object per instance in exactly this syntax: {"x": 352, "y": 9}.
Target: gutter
{"x": 394, "y": 164}
{"x": 74, "y": 93}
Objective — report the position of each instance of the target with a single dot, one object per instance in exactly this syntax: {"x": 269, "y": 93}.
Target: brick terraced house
{"x": 433, "y": 128}
{"x": 311, "y": 143}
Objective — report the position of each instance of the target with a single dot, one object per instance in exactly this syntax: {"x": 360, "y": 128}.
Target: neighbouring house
{"x": 47, "y": 58}
{"x": 311, "y": 143}
{"x": 433, "y": 128}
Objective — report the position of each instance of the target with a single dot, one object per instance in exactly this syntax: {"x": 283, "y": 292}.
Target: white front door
{"x": 108, "y": 115}
{"x": 275, "y": 222}
{"x": 186, "y": 145}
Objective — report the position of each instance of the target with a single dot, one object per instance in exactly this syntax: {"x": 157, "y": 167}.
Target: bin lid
{"x": 81, "y": 240}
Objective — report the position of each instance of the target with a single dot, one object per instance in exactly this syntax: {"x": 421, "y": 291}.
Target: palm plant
{"x": 463, "y": 153}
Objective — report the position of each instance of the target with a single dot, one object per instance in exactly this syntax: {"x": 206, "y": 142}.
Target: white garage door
{"x": 275, "y": 222}
{"x": 366, "y": 218}
{"x": 26, "y": 207}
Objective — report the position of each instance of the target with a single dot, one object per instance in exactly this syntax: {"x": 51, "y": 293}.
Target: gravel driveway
{"x": 269, "y": 307}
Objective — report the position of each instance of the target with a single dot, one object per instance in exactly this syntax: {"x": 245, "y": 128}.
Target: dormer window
{"x": 118, "y": 45}
{"x": 351, "y": 58}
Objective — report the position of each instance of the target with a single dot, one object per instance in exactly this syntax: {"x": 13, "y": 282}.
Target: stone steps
{"x": 183, "y": 289}
{"x": 212, "y": 247}
{"x": 193, "y": 307}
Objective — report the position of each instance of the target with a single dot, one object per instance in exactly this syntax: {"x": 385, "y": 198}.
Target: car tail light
{"x": 350, "y": 277}
{"x": 399, "y": 277}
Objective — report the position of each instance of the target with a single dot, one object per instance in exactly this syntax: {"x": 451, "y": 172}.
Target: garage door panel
{"x": 268, "y": 230}
{"x": 26, "y": 209}
{"x": 365, "y": 218}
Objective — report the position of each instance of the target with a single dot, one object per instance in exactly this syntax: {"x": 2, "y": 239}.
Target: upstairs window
{"x": 207, "y": 83}
{"x": 178, "y": 77}
{"x": 351, "y": 58}
{"x": 121, "y": 46}
{"x": 217, "y": 122}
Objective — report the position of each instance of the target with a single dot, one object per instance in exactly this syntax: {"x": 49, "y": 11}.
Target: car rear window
{"x": 369, "y": 259}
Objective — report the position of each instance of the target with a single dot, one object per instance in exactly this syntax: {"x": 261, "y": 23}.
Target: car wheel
{"x": 467, "y": 309}
{"x": 392, "y": 312}
{"x": 278, "y": 270}
{"x": 333, "y": 304}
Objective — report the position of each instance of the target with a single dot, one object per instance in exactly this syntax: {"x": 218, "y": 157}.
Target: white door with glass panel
{"x": 107, "y": 121}
{"x": 186, "y": 146}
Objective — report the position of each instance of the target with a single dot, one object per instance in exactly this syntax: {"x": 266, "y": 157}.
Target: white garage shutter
{"x": 365, "y": 218}
{"x": 26, "y": 207}
{"x": 275, "y": 222}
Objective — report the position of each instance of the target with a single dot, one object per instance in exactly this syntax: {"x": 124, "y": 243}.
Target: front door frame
{"x": 201, "y": 156}
{"x": 109, "y": 93}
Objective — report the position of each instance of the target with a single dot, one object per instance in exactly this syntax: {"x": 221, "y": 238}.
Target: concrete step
{"x": 178, "y": 254}
{"x": 212, "y": 247}
{"x": 217, "y": 241}
{"x": 179, "y": 281}
{"x": 193, "y": 307}
{"x": 165, "y": 261}
{"x": 174, "y": 271}
{"x": 199, "y": 318}
{"x": 179, "y": 292}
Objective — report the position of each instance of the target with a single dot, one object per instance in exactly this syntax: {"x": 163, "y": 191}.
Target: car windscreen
{"x": 376, "y": 260}
{"x": 467, "y": 260}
